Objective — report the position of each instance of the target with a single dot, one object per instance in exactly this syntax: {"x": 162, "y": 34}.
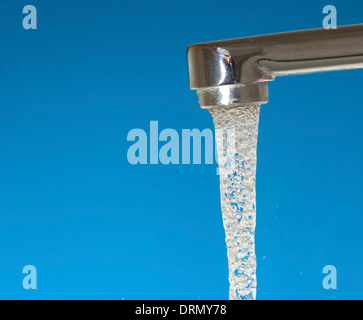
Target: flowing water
{"x": 236, "y": 138}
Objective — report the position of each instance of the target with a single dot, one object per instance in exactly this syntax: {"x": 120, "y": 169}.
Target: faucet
{"x": 236, "y": 72}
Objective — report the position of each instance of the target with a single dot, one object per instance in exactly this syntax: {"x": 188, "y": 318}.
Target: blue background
{"x": 96, "y": 227}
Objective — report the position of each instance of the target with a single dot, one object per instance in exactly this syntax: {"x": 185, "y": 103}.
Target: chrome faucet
{"x": 236, "y": 72}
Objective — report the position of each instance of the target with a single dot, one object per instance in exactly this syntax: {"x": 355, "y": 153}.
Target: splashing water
{"x": 236, "y": 138}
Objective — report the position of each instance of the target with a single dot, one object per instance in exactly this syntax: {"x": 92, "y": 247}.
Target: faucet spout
{"x": 236, "y": 72}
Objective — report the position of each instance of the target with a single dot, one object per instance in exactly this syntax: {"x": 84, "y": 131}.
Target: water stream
{"x": 236, "y": 138}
